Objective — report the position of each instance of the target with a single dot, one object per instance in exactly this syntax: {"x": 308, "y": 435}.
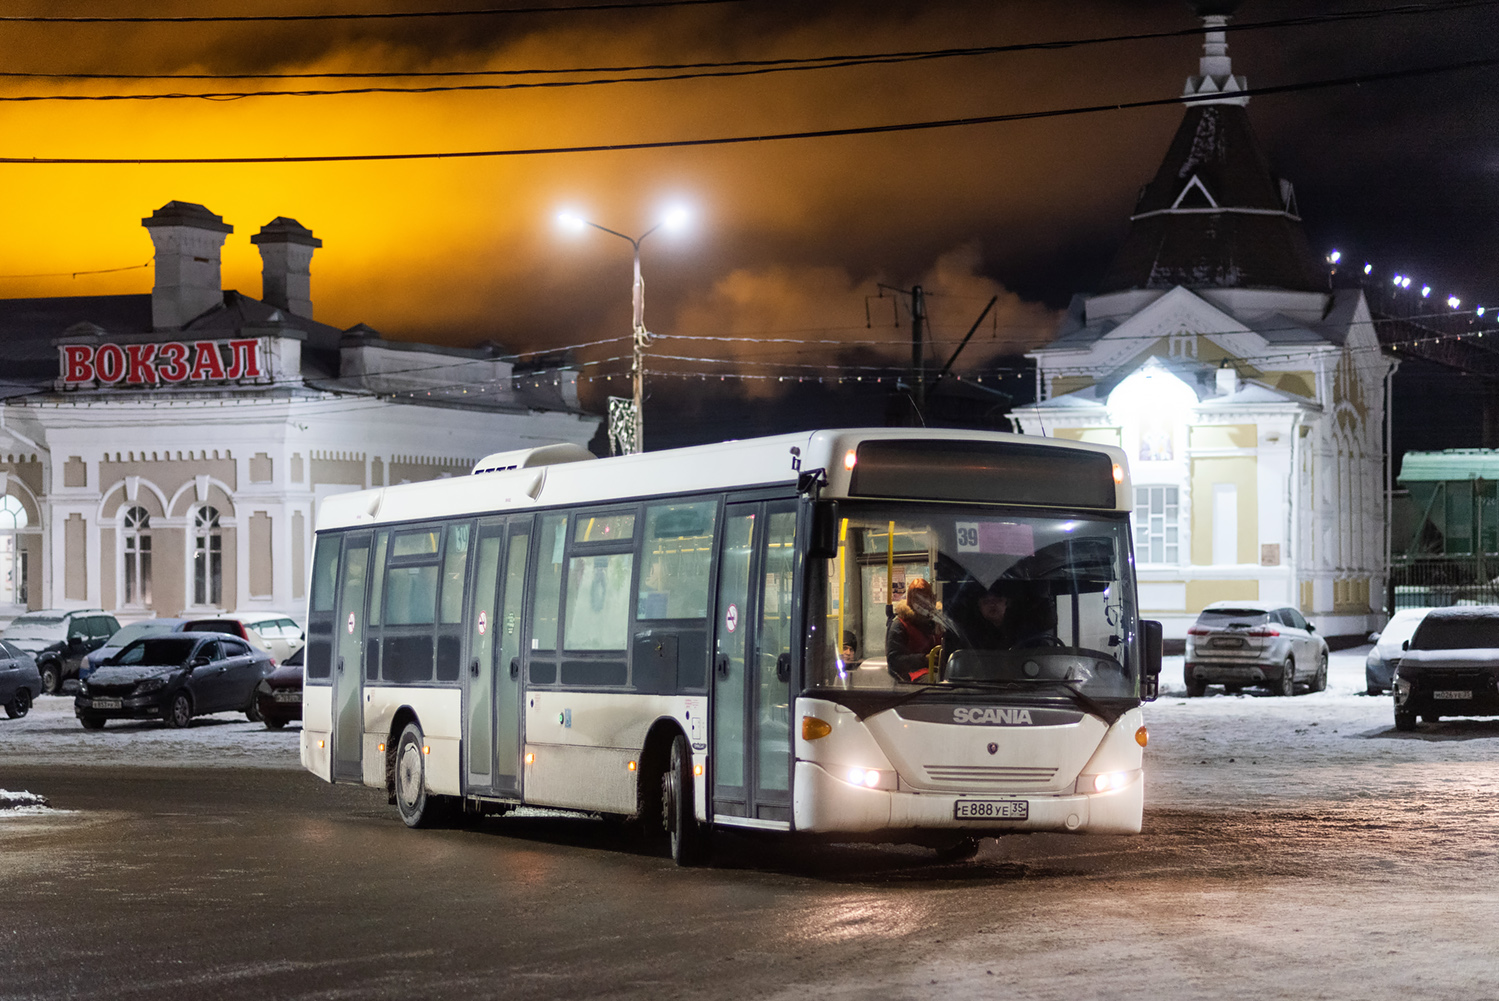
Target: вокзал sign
{"x": 161, "y": 363}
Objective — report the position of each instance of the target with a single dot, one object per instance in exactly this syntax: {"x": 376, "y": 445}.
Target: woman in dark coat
{"x": 913, "y": 633}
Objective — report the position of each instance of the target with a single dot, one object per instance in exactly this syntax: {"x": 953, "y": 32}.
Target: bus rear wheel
{"x": 687, "y": 837}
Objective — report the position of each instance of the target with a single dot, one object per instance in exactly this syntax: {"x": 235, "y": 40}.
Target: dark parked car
{"x": 1450, "y": 667}
{"x": 1238, "y": 643}
{"x": 59, "y": 640}
{"x": 174, "y": 678}
{"x": 123, "y": 638}
{"x": 20, "y": 682}
{"x": 280, "y": 693}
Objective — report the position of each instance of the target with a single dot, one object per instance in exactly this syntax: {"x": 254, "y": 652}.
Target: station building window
{"x": 137, "y": 543}
{"x": 13, "y": 568}
{"x": 208, "y": 557}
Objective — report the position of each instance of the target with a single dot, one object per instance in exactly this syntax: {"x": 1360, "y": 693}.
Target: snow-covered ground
{"x": 1222, "y": 751}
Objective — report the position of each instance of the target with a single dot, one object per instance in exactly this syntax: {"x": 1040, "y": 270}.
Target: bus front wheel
{"x": 417, "y": 809}
{"x": 688, "y": 838}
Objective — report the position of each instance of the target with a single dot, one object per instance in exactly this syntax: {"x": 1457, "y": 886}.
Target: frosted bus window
{"x": 598, "y": 602}
{"x": 410, "y": 595}
{"x": 454, "y": 566}
{"x": 676, "y": 561}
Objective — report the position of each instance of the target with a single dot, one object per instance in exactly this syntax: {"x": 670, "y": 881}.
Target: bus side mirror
{"x": 1150, "y": 650}
{"x": 824, "y": 542}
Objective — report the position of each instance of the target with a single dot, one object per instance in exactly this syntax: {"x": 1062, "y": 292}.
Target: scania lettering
{"x": 711, "y": 639}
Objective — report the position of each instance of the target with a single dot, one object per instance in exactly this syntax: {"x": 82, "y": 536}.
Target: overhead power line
{"x": 862, "y": 130}
{"x": 688, "y": 70}
{"x": 394, "y": 15}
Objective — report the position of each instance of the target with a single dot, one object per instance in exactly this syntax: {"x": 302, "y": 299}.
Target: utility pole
{"x": 918, "y": 331}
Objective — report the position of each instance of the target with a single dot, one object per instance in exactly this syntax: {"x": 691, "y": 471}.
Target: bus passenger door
{"x": 508, "y": 625}
{"x": 752, "y": 665}
{"x": 348, "y": 659}
{"x": 491, "y": 736}
{"x": 478, "y": 679}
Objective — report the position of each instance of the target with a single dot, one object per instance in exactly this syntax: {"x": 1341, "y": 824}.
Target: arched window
{"x": 208, "y": 557}
{"x": 12, "y": 554}
{"x": 137, "y": 532}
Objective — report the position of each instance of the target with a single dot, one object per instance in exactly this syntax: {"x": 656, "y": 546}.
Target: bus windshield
{"x": 974, "y": 598}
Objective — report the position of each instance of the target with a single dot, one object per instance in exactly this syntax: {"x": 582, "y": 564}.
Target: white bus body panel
{"x": 724, "y": 465}
{"x": 317, "y": 730}
{"x": 438, "y": 711}
{"x": 825, "y": 800}
{"x": 579, "y": 746}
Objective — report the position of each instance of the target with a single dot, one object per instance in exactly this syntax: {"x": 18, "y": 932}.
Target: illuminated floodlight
{"x": 676, "y": 218}
{"x": 1425, "y": 291}
{"x": 1405, "y": 282}
{"x": 1480, "y": 310}
{"x": 1454, "y": 301}
{"x": 571, "y": 221}
{"x": 1334, "y": 257}
{"x": 1368, "y": 268}
{"x": 1398, "y": 279}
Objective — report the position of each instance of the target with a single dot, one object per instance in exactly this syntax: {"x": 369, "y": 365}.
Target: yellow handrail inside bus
{"x": 890, "y": 573}
{"x": 842, "y": 580}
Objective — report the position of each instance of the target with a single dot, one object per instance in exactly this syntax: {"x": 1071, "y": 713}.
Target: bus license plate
{"x": 991, "y": 809}
{"x": 1452, "y": 695}
{"x": 106, "y": 703}
{"x": 288, "y": 696}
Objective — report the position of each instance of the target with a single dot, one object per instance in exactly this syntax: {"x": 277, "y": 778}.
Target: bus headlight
{"x": 1104, "y": 782}
{"x": 871, "y": 778}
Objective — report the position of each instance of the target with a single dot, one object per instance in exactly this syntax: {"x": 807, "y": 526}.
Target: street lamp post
{"x": 640, "y": 337}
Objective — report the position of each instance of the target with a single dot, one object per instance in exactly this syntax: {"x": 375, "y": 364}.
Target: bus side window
{"x": 319, "y": 657}
{"x": 411, "y": 580}
{"x": 676, "y": 561}
{"x": 551, "y": 543}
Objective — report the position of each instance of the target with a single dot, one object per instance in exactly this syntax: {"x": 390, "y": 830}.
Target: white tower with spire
{"x": 1215, "y": 82}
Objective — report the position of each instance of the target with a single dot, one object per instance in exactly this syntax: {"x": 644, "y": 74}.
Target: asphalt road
{"x": 242, "y": 883}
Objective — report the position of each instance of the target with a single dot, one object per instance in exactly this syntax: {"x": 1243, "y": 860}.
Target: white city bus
{"x": 663, "y": 636}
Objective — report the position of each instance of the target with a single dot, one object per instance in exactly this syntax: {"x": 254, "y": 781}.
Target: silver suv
{"x": 1238, "y": 643}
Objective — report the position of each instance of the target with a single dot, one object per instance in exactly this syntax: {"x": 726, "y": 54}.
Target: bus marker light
{"x": 320, "y": 743}
{"x": 380, "y": 748}
{"x": 531, "y": 758}
{"x": 426, "y": 749}
{"x": 850, "y": 458}
{"x": 1118, "y": 473}
{"x": 697, "y": 769}
{"x": 814, "y": 728}
{"x": 1141, "y": 737}
{"x": 630, "y": 766}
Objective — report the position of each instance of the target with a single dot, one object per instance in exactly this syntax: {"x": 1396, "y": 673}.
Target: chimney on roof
{"x": 188, "y": 241}
{"x": 286, "y": 248}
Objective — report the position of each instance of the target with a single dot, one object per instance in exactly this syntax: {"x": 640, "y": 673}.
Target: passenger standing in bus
{"x": 913, "y": 634}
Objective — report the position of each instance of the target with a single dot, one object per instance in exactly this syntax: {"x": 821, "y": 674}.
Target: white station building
{"x": 1249, "y": 394}
{"x": 167, "y": 452}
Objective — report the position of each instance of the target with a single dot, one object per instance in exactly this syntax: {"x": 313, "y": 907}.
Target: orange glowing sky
{"x": 788, "y": 236}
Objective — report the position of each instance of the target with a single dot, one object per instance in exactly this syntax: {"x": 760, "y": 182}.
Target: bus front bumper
{"x": 825, "y": 803}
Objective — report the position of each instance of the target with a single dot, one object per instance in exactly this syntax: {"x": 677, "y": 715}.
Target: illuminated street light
{"x": 1334, "y": 257}
{"x": 1425, "y": 291}
{"x": 674, "y": 219}
{"x": 1454, "y": 301}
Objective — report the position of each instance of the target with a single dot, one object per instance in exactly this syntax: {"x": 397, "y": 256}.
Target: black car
{"x": 20, "y": 682}
{"x": 280, "y": 693}
{"x": 174, "y": 677}
{"x": 1450, "y": 667}
{"x": 60, "y": 639}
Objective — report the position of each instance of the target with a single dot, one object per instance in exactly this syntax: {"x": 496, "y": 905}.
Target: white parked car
{"x": 277, "y": 631}
{"x": 1380, "y": 665}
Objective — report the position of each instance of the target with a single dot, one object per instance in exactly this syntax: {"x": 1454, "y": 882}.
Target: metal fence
{"x": 1439, "y": 581}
